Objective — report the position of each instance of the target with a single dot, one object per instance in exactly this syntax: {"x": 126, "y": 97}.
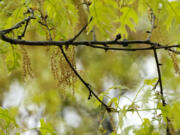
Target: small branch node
{"x": 90, "y": 95}
{"x": 118, "y": 37}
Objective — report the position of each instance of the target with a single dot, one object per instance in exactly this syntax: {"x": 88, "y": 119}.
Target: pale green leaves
{"x": 63, "y": 15}
{"x": 103, "y": 12}
{"x": 150, "y": 82}
{"x": 171, "y": 14}
{"x": 7, "y": 117}
{"x": 129, "y": 19}
{"x": 7, "y": 120}
{"x": 167, "y": 13}
{"x": 46, "y": 128}
{"x": 173, "y": 114}
{"x": 146, "y": 128}
{"x": 107, "y": 14}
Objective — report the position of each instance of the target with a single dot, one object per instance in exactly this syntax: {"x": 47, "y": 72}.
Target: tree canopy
{"x": 89, "y": 67}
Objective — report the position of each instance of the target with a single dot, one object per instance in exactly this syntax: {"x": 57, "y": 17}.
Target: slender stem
{"x": 161, "y": 89}
{"x": 79, "y": 33}
{"x": 83, "y": 81}
{"x": 159, "y": 76}
{"x": 16, "y": 26}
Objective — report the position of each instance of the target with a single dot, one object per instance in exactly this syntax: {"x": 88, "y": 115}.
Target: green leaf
{"x": 113, "y": 133}
{"x": 103, "y": 12}
{"x": 8, "y": 117}
{"x": 63, "y": 15}
{"x": 146, "y": 128}
{"x": 127, "y": 129}
{"x": 171, "y": 14}
{"x": 128, "y": 18}
{"x": 150, "y": 81}
{"x": 146, "y": 96}
{"x": 113, "y": 101}
{"x": 101, "y": 129}
{"x": 122, "y": 116}
{"x": 164, "y": 110}
{"x": 174, "y": 116}
{"x": 46, "y": 128}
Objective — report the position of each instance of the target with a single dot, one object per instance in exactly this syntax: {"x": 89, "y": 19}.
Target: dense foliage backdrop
{"x": 87, "y": 67}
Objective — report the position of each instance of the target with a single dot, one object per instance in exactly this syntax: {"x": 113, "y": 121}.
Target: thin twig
{"x": 79, "y": 33}
{"x": 161, "y": 90}
{"x": 83, "y": 81}
{"x": 49, "y": 31}
{"x": 159, "y": 76}
{"x": 16, "y": 26}
{"x": 156, "y": 84}
{"x": 159, "y": 71}
{"x": 24, "y": 31}
{"x": 174, "y": 51}
{"x": 156, "y": 57}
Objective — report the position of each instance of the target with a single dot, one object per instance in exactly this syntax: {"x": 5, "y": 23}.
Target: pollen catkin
{"x": 54, "y": 66}
{"x": 60, "y": 69}
{"x": 175, "y": 62}
{"x": 27, "y": 69}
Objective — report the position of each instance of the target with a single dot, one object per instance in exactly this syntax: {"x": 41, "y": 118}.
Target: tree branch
{"x": 158, "y": 70}
{"x": 16, "y": 26}
{"x": 159, "y": 77}
{"x": 87, "y": 85}
{"x": 93, "y": 44}
{"x": 79, "y": 33}
{"x": 83, "y": 81}
{"x": 25, "y": 28}
{"x": 161, "y": 90}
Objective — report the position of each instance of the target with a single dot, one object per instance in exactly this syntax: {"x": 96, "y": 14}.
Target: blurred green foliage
{"x": 38, "y": 69}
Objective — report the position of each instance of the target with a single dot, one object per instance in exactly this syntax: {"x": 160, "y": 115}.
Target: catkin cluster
{"x": 26, "y": 65}
{"x": 60, "y": 68}
{"x": 175, "y": 62}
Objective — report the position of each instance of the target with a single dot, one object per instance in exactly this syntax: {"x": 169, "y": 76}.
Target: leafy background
{"x": 40, "y": 94}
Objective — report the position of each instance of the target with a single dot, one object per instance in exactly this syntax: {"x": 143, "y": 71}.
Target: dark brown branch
{"x": 93, "y": 44}
{"x": 159, "y": 76}
{"x": 156, "y": 84}
{"x": 25, "y": 28}
{"x": 79, "y": 33}
{"x": 83, "y": 81}
{"x": 161, "y": 89}
{"x": 158, "y": 70}
{"x": 68, "y": 42}
{"x": 16, "y": 26}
